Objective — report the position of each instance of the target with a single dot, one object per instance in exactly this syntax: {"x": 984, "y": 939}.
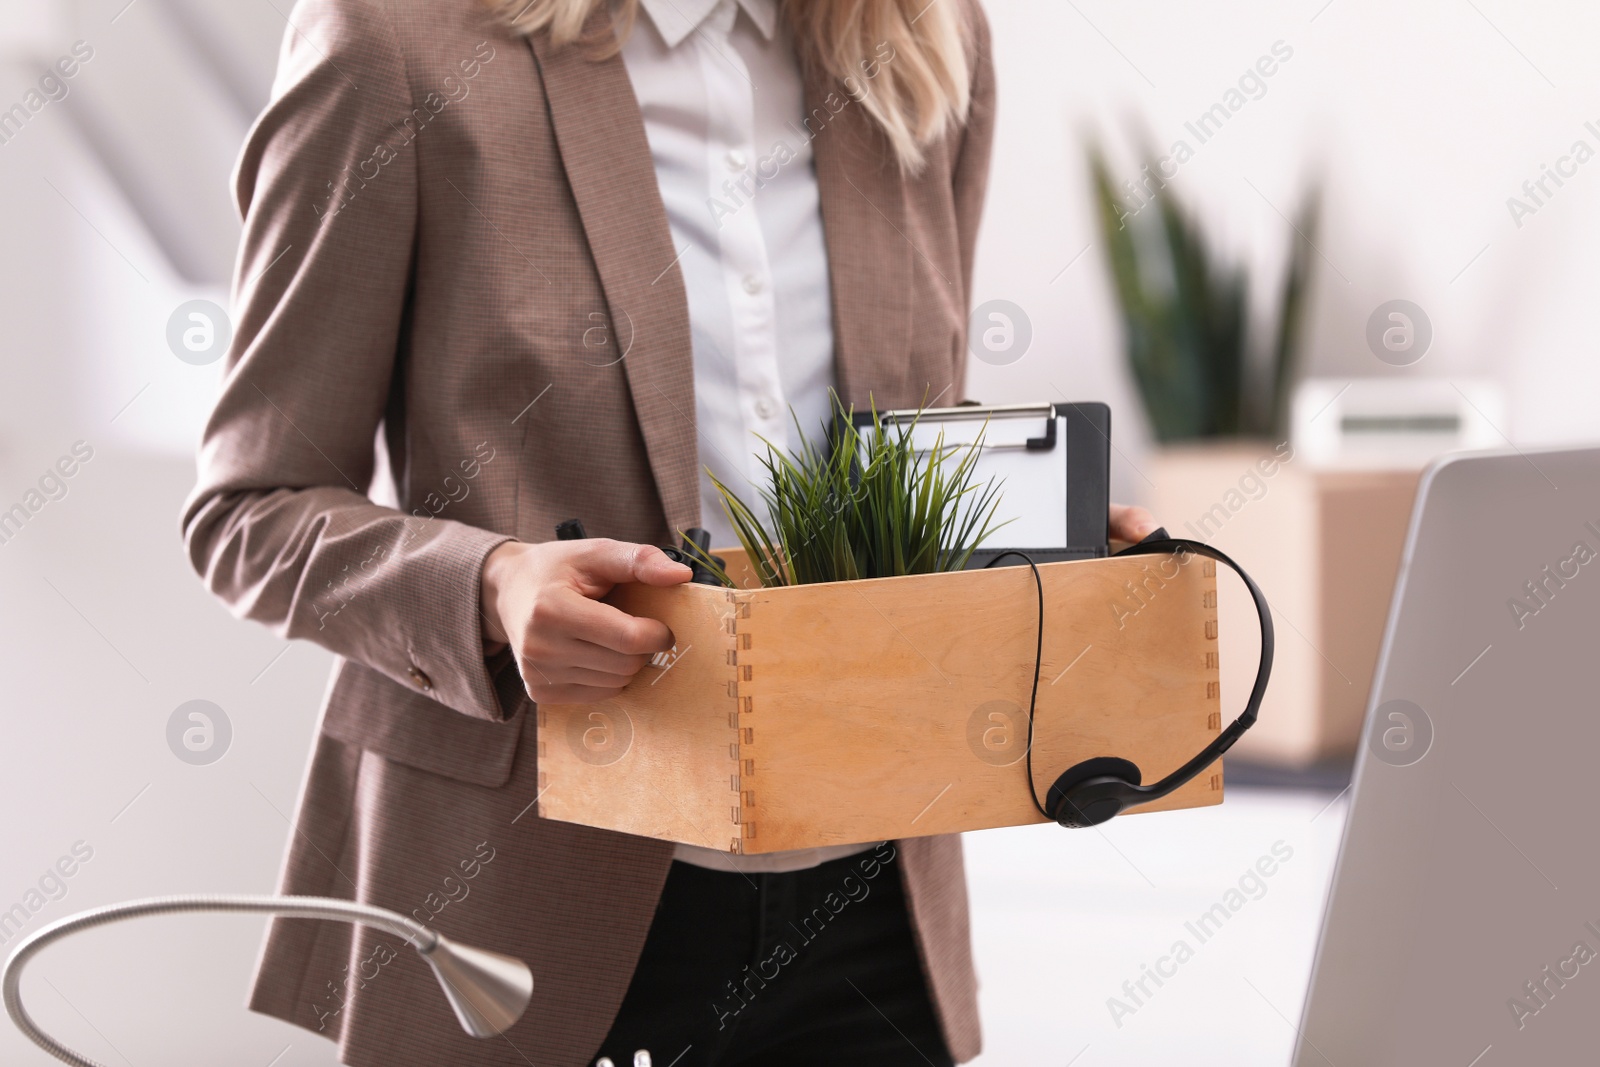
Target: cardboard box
{"x": 861, "y": 711}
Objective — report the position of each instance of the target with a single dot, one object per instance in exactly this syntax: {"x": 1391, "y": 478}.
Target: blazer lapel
{"x": 869, "y": 251}
{"x": 607, "y": 158}
{"x": 597, "y": 124}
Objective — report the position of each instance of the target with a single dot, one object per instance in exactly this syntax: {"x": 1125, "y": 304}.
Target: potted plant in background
{"x": 1185, "y": 317}
{"x": 1323, "y": 544}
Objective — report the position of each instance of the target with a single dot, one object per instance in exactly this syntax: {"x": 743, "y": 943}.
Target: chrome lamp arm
{"x": 488, "y": 991}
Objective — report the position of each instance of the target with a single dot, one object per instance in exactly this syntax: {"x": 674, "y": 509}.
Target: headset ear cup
{"x": 1093, "y": 792}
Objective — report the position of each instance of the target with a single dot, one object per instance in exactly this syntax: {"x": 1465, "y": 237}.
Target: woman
{"x": 506, "y": 265}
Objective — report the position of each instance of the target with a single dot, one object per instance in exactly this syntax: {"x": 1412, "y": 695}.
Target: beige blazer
{"x": 459, "y": 320}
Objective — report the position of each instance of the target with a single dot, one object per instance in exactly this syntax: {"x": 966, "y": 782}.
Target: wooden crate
{"x": 895, "y": 707}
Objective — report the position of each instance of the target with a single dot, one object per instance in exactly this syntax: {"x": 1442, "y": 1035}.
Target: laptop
{"x": 1463, "y": 924}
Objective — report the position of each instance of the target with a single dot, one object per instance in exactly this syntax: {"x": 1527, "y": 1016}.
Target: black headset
{"x": 1096, "y": 790}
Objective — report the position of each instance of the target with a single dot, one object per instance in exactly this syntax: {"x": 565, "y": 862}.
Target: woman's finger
{"x": 1131, "y": 523}
{"x": 608, "y": 627}
{"x": 556, "y": 673}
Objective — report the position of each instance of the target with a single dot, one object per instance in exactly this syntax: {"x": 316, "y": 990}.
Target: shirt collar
{"x": 677, "y": 19}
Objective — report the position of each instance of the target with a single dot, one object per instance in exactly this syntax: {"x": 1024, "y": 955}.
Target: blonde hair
{"x": 904, "y": 61}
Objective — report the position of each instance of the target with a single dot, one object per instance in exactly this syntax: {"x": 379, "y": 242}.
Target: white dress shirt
{"x": 723, "y": 106}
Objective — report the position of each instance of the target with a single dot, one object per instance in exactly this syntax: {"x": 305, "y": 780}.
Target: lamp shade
{"x": 488, "y": 991}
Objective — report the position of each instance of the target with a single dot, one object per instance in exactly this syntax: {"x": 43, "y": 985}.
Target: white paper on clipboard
{"x": 1024, "y": 448}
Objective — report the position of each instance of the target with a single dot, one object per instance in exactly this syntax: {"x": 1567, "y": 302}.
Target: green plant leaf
{"x": 1185, "y": 312}
{"x": 869, "y": 506}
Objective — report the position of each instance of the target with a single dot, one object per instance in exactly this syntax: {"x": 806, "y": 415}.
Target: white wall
{"x": 1422, "y": 119}
{"x": 104, "y": 630}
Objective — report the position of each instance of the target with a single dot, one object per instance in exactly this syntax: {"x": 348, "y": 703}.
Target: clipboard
{"x": 1053, "y": 463}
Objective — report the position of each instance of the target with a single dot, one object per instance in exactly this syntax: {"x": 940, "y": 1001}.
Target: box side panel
{"x": 899, "y": 707}
{"x": 661, "y": 759}
{"x": 1278, "y": 539}
{"x": 737, "y": 565}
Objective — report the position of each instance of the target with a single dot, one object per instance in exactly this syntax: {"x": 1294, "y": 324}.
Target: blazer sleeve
{"x": 969, "y": 175}
{"x": 279, "y": 524}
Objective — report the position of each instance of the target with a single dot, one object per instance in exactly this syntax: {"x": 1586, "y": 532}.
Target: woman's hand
{"x": 1131, "y": 524}
{"x": 543, "y": 600}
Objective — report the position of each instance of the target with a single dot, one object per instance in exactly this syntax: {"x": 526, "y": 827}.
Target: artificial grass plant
{"x": 869, "y": 505}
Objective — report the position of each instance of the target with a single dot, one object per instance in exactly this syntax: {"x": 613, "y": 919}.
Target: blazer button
{"x": 421, "y": 680}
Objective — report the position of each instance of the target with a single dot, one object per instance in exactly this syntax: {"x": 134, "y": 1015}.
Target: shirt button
{"x": 765, "y": 407}
{"x": 736, "y": 160}
{"x": 420, "y": 680}
{"x": 752, "y": 284}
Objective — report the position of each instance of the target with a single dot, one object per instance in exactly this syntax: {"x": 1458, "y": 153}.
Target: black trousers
{"x": 781, "y": 970}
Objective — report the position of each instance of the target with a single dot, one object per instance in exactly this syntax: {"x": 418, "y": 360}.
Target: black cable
{"x": 1038, "y": 659}
{"x": 1156, "y": 543}
{"x": 1160, "y": 542}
